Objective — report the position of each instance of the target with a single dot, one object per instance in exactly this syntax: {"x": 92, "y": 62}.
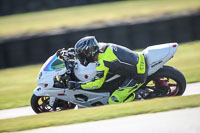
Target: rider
{"x": 112, "y": 58}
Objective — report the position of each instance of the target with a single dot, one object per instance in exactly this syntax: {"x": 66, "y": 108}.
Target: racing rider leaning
{"x": 112, "y": 58}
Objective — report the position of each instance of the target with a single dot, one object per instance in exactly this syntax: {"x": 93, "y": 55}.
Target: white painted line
{"x": 16, "y": 112}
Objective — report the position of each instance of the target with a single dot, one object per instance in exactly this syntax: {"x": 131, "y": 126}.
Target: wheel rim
{"x": 44, "y": 106}
{"x": 165, "y": 83}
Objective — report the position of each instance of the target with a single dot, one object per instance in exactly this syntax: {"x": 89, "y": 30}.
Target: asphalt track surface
{"x": 178, "y": 121}
{"x": 191, "y": 89}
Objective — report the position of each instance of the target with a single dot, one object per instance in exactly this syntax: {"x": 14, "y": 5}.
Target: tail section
{"x": 158, "y": 55}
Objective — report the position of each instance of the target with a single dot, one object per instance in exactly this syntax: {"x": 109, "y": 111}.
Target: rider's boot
{"x": 141, "y": 94}
{"x": 123, "y": 95}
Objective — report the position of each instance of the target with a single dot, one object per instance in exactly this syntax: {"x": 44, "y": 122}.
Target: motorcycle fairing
{"x": 158, "y": 55}
{"x": 52, "y": 64}
{"x": 80, "y": 97}
{"x": 51, "y": 68}
{"x": 86, "y": 98}
{"x": 85, "y": 73}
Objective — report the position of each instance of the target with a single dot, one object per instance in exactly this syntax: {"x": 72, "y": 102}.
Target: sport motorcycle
{"x": 53, "y": 94}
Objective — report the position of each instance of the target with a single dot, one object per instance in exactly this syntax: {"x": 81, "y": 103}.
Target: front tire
{"x": 40, "y": 104}
{"x": 168, "y": 80}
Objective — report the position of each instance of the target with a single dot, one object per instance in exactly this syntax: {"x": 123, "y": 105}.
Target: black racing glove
{"x": 65, "y": 54}
{"x": 61, "y": 53}
{"x": 74, "y": 85}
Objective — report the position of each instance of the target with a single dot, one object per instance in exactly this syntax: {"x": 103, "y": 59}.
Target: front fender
{"x": 39, "y": 91}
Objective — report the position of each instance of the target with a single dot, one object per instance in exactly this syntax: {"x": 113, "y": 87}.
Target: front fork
{"x": 40, "y": 91}
{"x": 52, "y": 101}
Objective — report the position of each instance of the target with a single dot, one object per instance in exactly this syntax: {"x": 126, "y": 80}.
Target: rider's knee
{"x": 115, "y": 99}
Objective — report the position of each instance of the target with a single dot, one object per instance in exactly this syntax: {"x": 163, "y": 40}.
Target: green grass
{"x": 17, "y": 84}
{"x": 187, "y": 60}
{"x": 81, "y": 15}
{"x": 99, "y": 113}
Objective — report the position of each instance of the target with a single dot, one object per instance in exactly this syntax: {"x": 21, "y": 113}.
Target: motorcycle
{"x": 53, "y": 94}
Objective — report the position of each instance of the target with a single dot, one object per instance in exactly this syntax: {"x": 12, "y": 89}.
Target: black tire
{"x": 172, "y": 73}
{"x": 34, "y": 103}
{"x": 40, "y": 104}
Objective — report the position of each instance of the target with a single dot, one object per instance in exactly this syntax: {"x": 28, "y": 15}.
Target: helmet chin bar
{"x": 96, "y": 57}
{"x": 88, "y": 60}
{"x": 85, "y": 62}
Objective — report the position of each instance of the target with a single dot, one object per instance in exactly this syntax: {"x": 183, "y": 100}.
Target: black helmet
{"x": 86, "y": 49}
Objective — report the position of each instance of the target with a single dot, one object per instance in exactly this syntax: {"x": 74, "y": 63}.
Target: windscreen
{"x": 53, "y": 63}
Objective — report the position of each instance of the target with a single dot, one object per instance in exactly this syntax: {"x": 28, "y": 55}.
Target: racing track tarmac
{"x": 178, "y": 121}
{"x": 191, "y": 89}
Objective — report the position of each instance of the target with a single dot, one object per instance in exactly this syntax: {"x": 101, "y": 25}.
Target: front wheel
{"x": 167, "y": 81}
{"x": 40, "y": 104}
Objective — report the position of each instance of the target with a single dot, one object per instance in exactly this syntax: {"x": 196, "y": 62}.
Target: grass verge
{"x": 99, "y": 113}
{"x": 17, "y": 84}
{"x": 186, "y": 60}
{"x": 82, "y": 15}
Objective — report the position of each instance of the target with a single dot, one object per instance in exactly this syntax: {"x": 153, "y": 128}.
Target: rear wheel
{"x": 40, "y": 104}
{"x": 167, "y": 81}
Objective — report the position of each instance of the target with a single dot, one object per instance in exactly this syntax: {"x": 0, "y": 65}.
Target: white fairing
{"x": 158, "y": 55}
{"x": 85, "y": 73}
{"x": 47, "y": 77}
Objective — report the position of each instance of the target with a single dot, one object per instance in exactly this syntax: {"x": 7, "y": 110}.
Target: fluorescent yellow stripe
{"x": 141, "y": 64}
{"x": 107, "y": 56}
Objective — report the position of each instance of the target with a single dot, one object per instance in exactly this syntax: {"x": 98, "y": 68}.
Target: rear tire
{"x": 171, "y": 73}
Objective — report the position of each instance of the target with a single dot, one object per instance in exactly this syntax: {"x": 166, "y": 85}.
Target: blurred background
{"x": 32, "y": 30}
